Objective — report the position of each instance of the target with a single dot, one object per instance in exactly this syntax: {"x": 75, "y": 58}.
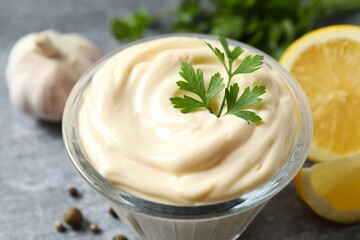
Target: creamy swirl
{"x": 135, "y": 138}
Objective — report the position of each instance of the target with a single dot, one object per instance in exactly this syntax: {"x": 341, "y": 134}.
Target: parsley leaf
{"x": 250, "y": 64}
{"x": 248, "y": 98}
{"x": 186, "y": 103}
{"x": 194, "y": 82}
{"x": 218, "y": 53}
{"x": 215, "y": 85}
{"x": 225, "y": 46}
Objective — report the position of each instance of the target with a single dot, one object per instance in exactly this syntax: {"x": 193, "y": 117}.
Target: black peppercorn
{"x": 73, "y": 192}
{"x": 73, "y": 217}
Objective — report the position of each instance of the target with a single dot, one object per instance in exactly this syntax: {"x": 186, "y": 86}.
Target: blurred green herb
{"x": 133, "y": 26}
{"x": 268, "y": 25}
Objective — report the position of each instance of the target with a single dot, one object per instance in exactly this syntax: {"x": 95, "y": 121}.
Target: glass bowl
{"x": 157, "y": 221}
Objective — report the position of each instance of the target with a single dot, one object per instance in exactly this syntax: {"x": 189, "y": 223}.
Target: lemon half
{"x": 326, "y": 63}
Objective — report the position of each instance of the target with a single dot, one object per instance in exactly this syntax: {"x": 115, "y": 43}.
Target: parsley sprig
{"x": 193, "y": 81}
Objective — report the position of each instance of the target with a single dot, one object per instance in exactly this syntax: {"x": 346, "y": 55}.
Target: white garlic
{"x": 42, "y": 69}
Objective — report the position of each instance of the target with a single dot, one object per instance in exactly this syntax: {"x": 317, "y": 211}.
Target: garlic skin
{"x": 42, "y": 69}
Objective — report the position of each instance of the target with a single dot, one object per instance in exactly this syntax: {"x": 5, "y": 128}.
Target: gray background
{"x": 35, "y": 171}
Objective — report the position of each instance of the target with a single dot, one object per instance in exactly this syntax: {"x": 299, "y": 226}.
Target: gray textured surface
{"x": 35, "y": 171}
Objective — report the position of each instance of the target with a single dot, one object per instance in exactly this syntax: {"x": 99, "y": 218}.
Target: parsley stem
{"x": 228, "y": 70}
{"x": 221, "y": 108}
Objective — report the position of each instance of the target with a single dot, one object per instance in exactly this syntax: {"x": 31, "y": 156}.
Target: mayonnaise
{"x": 134, "y": 137}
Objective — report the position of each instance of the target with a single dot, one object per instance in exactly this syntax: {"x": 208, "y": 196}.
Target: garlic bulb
{"x": 42, "y": 69}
